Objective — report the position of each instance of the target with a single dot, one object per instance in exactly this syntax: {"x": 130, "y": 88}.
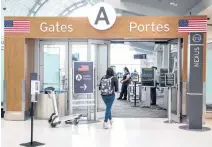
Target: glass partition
{"x": 126, "y": 58}
{"x": 2, "y": 76}
{"x": 54, "y": 66}
{"x": 79, "y": 51}
{"x": 209, "y": 78}
{"x": 79, "y": 101}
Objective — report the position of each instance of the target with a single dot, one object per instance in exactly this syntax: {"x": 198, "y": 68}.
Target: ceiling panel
{"x": 182, "y": 7}
{"x": 207, "y": 12}
{"x": 17, "y": 7}
{"x": 54, "y": 7}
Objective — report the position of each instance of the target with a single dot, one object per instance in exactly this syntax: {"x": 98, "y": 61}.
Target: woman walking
{"x": 108, "y": 87}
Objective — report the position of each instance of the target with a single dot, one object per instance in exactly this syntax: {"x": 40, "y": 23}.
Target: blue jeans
{"x": 108, "y": 100}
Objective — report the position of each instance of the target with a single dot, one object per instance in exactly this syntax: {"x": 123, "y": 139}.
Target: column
{"x": 195, "y": 85}
{"x": 14, "y": 78}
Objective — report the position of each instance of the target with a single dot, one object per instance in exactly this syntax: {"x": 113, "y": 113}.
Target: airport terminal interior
{"x": 155, "y": 111}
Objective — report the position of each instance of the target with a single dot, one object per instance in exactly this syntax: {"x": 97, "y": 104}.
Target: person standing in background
{"x": 125, "y": 83}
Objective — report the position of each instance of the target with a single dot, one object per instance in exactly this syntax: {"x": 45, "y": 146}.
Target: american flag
{"x": 16, "y": 26}
{"x": 192, "y": 25}
{"x": 84, "y": 68}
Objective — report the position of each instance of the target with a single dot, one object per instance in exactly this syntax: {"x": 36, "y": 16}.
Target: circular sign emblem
{"x": 102, "y": 16}
{"x": 196, "y": 38}
{"x": 78, "y": 77}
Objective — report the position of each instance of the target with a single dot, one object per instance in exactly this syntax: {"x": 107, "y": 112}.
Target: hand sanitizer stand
{"x": 35, "y": 90}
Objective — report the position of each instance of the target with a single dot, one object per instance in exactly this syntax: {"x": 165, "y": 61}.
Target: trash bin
{"x": 44, "y": 106}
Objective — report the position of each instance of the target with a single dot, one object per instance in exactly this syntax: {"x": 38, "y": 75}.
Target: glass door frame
{"x": 96, "y": 87}
{"x": 177, "y": 117}
{"x": 71, "y": 71}
{"x": 41, "y": 56}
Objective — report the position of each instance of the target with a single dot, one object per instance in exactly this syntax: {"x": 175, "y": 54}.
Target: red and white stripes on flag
{"x": 192, "y": 25}
{"x": 16, "y": 26}
{"x": 84, "y": 68}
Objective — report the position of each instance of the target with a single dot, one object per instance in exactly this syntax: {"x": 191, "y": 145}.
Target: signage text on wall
{"x": 153, "y": 27}
{"x": 57, "y": 27}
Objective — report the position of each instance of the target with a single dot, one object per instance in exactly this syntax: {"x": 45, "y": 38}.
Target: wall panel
{"x": 14, "y": 72}
{"x": 29, "y": 62}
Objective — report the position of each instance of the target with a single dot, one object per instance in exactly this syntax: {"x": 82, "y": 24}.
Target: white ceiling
{"x": 208, "y": 12}
{"x": 183, "y": 6}
{"x": 56, "y": 7}
{"x": 48, "y": 7}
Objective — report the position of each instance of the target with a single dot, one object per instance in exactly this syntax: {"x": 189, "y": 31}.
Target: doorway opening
{"x": 55, "y": 61}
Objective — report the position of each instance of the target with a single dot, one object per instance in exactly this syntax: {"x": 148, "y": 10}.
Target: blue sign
{"x": 196, "y": 38}
{"x": 83, "y": 77}
{"x": 140, "y": 56}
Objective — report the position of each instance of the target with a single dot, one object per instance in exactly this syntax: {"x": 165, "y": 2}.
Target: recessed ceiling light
{"x": 173, "y": 4}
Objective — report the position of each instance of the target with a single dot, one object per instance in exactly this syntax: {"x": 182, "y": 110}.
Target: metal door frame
{"x": 177, "y": 117}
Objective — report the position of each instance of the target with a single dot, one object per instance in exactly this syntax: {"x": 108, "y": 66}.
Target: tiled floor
{"x": 124, "y": 109}
{"x": 126, "y": 132}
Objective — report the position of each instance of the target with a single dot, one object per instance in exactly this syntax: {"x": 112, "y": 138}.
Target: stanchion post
{"x": 170, "y": 83}
{"x": 135, "y": 94}
{"x": 170, "y": 104}
{"x": 32, "y": 115}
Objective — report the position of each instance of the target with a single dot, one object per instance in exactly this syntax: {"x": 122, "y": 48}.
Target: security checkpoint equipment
{"x": 163, "y": 72}
{"x": 170, "y": 82}
{"x": 163, "y": 88}
{"x": 147, "y": 82}
{"x": 35, "y": 90}
{"x": 135, "y": 92}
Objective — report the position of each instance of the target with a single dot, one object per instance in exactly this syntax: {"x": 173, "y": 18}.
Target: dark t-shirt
{"x": 114, "y": 81}
{"x": 124, "y": 77}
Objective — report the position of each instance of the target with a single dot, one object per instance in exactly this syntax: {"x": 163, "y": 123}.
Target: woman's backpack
{"x": 106, "y": 87}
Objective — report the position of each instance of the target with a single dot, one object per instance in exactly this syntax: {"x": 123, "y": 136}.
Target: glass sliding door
{"x": 209, "y": 78}
{"x": 78, "y": 102}
{"x": 175, "y": 67}
{"x": 100, "y": 55}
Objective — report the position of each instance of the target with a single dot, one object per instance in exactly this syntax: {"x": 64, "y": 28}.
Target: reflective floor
{"x": 125, "y": 132}
{"x": 124, "y": 109}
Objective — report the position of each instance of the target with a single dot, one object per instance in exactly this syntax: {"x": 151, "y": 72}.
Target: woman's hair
{"x": 109, "y": 72}
{"x": 125, "y": 68}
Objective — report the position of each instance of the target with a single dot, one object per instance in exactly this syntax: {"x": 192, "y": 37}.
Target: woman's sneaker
{"x": 105, "y": 125}
{"x": 111, "y": 122}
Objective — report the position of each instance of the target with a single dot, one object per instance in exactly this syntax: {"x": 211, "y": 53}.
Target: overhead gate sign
{"x": 83, "y": 77}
